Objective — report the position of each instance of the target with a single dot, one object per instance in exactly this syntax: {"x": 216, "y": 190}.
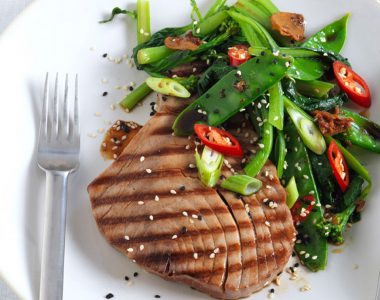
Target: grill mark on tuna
{"x": 161, "y": 237}
{"x": 148, "y": 196}
{"x": 156, "y": 174}
{"x": 164, "y": 130}
{"x": 156, "y": 154}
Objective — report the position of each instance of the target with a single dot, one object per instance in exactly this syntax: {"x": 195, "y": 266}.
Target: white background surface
{"x": 9, "y": 9}
{"x": 56, "y": 35}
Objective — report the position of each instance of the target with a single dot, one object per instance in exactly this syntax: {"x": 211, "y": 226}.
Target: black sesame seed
{"x": 271, "y": 291}
{"x": 291, "y": 269}
{"x": 200, "y": 218}
{"x": 237, "y": 196}
{"x": 131, "y": 88}
{"x": 183, "y": 230}
{"x": 164, "y": 98}
{"x": 293, "y": 254}
{"x": 152, "y": 103}
{"x": 105, "y": 94}
{"x": 109, "y": 296}
{"x": 296, "y": 265}
{"x": 126, "y": 278}
{"x": 257, "y": 60}
{"x": 262, "y": 53}
{"x": 182, "y": 188}
{"x": 135, "y": 274}
{"x": 222, "y": 177}
{"x": 124, "y": 127}
{"x": 152, "y": 113}
{"x": 157, "y": 296}
{"x": 275, "y": 61}
{"x": 105, "y": 55}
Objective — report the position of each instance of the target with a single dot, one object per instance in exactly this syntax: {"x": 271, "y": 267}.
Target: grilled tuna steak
{"x": 150, "y": 205}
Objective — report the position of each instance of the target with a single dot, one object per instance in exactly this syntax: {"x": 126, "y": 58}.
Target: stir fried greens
{"x": 233, "y": 59}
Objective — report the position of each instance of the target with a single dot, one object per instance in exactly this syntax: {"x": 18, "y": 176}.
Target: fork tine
{"x": 44, "y": 115}
{"x": 76, "y": 109}
{"x": 65, "y": 122}
{"x": 55, "y": 124}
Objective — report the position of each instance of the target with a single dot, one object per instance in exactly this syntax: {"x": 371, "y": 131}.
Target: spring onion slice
{"x": 209, "y": 166}
{"x": 242, "y": 184}
{"x": 168, "y": 87}
{"x": 143, "y": 21}
{"x": 292, "y": 192}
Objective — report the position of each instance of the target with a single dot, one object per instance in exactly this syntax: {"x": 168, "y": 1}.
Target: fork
{"x": 58, "y": 156}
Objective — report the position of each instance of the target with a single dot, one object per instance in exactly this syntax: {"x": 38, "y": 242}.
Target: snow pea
{"x": 329, "y": 38}
{"x": 258, "y": 161}
{"x": 307, "y": 68}
{"x": 310, "y": 246}
{"x": 280, "y": 152}
{"x": 276, "y": 106}
{"x": 233, "y": 92}
{"x": 314, "y": 88}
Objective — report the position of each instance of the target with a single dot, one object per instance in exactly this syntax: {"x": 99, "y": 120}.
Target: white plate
{"x": 54, "y": 35}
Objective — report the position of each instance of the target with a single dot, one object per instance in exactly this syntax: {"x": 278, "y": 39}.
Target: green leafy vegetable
{"x": 118, "y": 11}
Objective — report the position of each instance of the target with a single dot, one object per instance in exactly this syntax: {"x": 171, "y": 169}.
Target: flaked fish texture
{"x": 150, "y": 205}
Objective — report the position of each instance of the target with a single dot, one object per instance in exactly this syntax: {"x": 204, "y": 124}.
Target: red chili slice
{"x": 352, "y": 84}
{"x": 299, "y": 211}
{"x": 218, "y": 140}
{"x": 238, "y": 54}
{"x": 338, "y": 165}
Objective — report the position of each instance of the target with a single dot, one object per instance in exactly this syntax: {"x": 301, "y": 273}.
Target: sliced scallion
{"x": 292, "y": 192}
{"x": 209, "y": 166}
{"x": 167, "y": 86}
{"x": 242, "y": 184}
{"x": 143, "y": 21}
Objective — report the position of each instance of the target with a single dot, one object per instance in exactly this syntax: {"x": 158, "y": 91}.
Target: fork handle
{"x": 53, "y": 249}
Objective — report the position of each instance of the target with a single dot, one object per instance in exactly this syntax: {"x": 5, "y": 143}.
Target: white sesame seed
{"x": 261, "y": 145}
{"x": 140, "y": 203}
{"x": 151, "y": 217}
{"x": 267, "y": 223}
{"x": 187, "y": 147}
{"x": 307, "y": 255}
{"x": 142, "y": 30}
{"x": 198, "y": 30}
{"x": 115, "y": 156}
{"x": 126, "y": 237}
{"x": 174, "y": 237}
{"x": 142, "y": 247}
{"x": 216, "y": 250}
{"x": 148, "y": 171}
{"x": 328, "y": 206}
{"x": 114, "y": 147}
{"x": 302, "y": 252}
{"x": 104, "y": 80}
{"x": 287, "y": 64}
{"x": 130, "y": 250}
{"x": 314, "y": 257}
{"x": 156, "y": 198}
{"x": 275, "y": 118}
{"x": 194, "y": 216}
{"x": 142, "y": 158}
{"x": 191, "y": 221}
{"x": 195, "y": 255}
{"x": 305, "y": 288}
{"x": 173, "y": 192}
{"x": 212, "y": 255}
{"x": 185, "y": 213}
{"x": 112, "y": 107}
{"x": 305, "y": 176}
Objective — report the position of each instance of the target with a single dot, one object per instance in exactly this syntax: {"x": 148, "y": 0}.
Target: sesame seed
{"x": 115, "y": 156}
{"x": 198, "y": 30}
{"x": 267, "y": 223}
{"x": 142, "y": 158}
{"x": 195, "y": 255}
{"x": 216, "y": 250}
{"x": 130, "y": 250}
{"x": 307, "y": 255}
{"x": 109, "y": 296}
{"x": 261, "y": 145}
{"x": 148, "y": 171}
{"x": 174, "y": 237}
{"x": 212, "y": 255}
{"x": 112, "y": 107}
{"x": 141, "y": 247}
{"x": 314, "y": 257}
{"x": 156, "y": 198}
{"x": 135, "y": 274}
{"x": 275, "y": 118}
{"x": 187, "y": 147}
{"x": 140, "y": 203}
{"x": 151, "y": 217}
{"x": 305, "y": 288}
{"x": 185, "y": 213}
{"x": 328, "y": 206}
{"x": 126, "y": 237}
{"x": 302, "y": 252}
{"x": 173, "y": 192}
{"x": 305, "y": 176}
{"x": 194, "y": 216}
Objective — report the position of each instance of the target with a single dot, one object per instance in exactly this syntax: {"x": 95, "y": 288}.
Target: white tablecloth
{"x": 9, "y": 9}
